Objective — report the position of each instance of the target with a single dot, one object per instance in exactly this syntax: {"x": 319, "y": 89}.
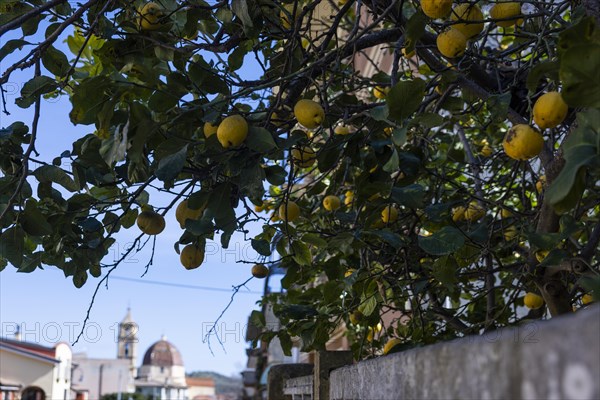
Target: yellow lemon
{"x": 388, "y": 131}
{"x": 458, "y": 213}
{"x": 150, "y": 222}
{"x": 274, "y": 217}
{"x": 331, "y": 203}
{"x": 356, "y": 317}
{"x": 506, "y": 213}
{"x": 510, "y": 233}
{"x": 540, "y": 184}
{"x": 232, "y": 131}
{"x": 541, "y": 254}
{"x": 380, "y": 92}
{"x": 289, "y": 211}
{"x": 474, "y": 211}
{"x": 390, "y": 344}
{"x": 467, "y": 13}
{"x": 183, "y": 213}
{"x": 389, "y": 214}
{"x": 373, "y": 331}
{"x": 549, "y": 110}
{"x": 349, "y": 198}
{"x": 533, "y": 301}
{"x": 191, "y": 256}
{"x": 410, "y": 54}
{"x": 209, "y": 129}
{"x": 587, "y": 299}
{"x": 149, "y": 17}
{"x": 260, "y": 271}
{"x": 303, "y": 157}
{"x": 436, "y": 8}
{"x": 451, "y": 43}
{"x": 522, "y": 142}
{"x": 487, "y": 150}
{"x": 349, "y": 272}
{"x": 341, "y": 130}
{"x": 502, "y": 11}
{"x": 285, "y": 18}
{"x": 309, "y": 113}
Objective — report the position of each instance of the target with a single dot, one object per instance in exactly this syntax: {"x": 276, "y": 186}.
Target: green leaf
{"x": 444, "y": 271}
{"x": 33, "y": 221}
{"x": 51, "y": 173}
{"x": 262, "y": 247}
{"x": 445, "y": 241}
{"x": 415, "y": 28}
{"x": 12, "y": 242}
{"x": 33, "y": 88}
{"x": 162, "y": 101}
{"x": 170, "y": 166}
{"x": 380, "y": 113}
{"x": 31, "y": 262}
{"x": 55, "y": 61}
{"x": 275, "y": 175}
{"x": 314, "y": 240}
{"x": 11, "y": 46}
{"x": 405, "y": 98}
{"x": 79, "y": 278}
{"x": 258, "y": 319}
{"x": 580, "y": 75}
{"x": 301, "y": 253}
{"x": 199, "y": 227}
{"x": 391, "y": 238}
{"x": 260, "y": 140}
{"x": 540, "y": 70}
{"x": 411, "y": 196}
{"x": 219, "y": 205}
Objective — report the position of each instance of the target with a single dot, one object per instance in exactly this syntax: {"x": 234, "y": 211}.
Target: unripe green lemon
{"x": 331, "y": 203}
{"x": 467, "y": 12}
{"x": 309, "y": 113}
{"x": 232, "y": 131}
{"x": 451, "y": 43}
{"x": 150, "y": 222}
{"x": 522, "y": 142}
{"x": 436, "y": 8}
{"x": 549, "y": 110}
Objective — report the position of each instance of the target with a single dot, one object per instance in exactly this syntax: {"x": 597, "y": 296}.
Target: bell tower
{"x": 128, "y": 340}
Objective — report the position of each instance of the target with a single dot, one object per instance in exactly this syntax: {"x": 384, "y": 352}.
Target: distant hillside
{"x": 223, "y": 384}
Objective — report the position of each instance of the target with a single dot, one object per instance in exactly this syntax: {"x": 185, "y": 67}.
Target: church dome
{"x": 162, "y": 354}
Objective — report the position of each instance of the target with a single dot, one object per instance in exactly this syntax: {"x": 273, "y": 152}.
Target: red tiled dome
{"x": 162, "y": 354}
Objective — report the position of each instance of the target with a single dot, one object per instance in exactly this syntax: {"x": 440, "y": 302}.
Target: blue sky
{"x": 50, "y": 309}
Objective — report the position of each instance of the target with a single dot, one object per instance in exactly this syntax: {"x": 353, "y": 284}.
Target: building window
{"x": 33, "y": 393}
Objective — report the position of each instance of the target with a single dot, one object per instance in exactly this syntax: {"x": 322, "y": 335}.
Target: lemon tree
{"x": 394, "y": 163}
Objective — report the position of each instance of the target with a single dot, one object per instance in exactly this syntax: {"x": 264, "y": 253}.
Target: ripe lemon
{"x": 436, "y": 8}
{"x": 458, "y": 213}
{"x": 285, "y": 18}
{"x": 150, "y": 222}
{"x": 388, "y": 131}
{"x": 260, "y": 208}
{"x": 390, "y": 344}
{"x": 289, "y": 211}
{"x": 373, "y": 331}
{"x": 149, "y": 17}
{"x": 506, "y": 10}
{"x": 232, "y": 131}
{"x": 349, "y": 198}
{"x": 274, "y": 217}
{"x": 303, "y": 157}
{"x": 389, "y": 214}
{"x": 533, "y": 301}
{"x": 183, "y": 213}
{"x": 522, "y": 142}
{"x": 468, "y": 13}
{"x": 510, "y": 233}
{"x": 410, "y": 54}
{"x": 331, "y": 203}
{"x": 309, "y": 113}
{"x": 487, "y": 150}
{"x": 209, "y": 129}
{"x": 540, "y": 184}
{"x": 380, "y": 92}
{"x": 260, "y": 271}
{"x": 451, "y": 43}
{"x": 549, "y": 110}
{"x": 474, "y": 211}
{"x": 587, "y": 299}
{"x": 191, "y": 256}
{"x": 541, "y": 254}
{"x": 506, "y": 213}
{"x": 356, "y": 317}
{"x": 341, "y": 130}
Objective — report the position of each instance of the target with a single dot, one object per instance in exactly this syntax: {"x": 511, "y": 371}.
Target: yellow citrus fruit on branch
{"x": 506, "y": 213}
{"x": 150, "y": 222}
{"x": 451, "y": 43}
{"x": 260, "y": 271}
{"x": 380, "y": 92}
{"x": 390, "y": 344}
{"x": 210, "y": 129}
{"x": 540, "y": 184}
{"x": 191, "y": 256}
{"x": 458, "y": 213}
{"x": 149, "y": 17}
{"x": 309, "y": 113}
{"x": 436, "y": 8}
{"x": 303, "y": 157}
{"x": 341, "y": 130}
{"x": 487, "y": 150}
{"x": 467, "y": 14}
{"x": 331, "y": 203}
{"x": 356, "y": 317}
{"x": 541, "y": 254}
{"x": 549, "y": 110}
{"x": 533, "y": 301}
{"x": 289, "y": 211}
{"x": 501, "y": 11}
{"x": 389, "y": 214}
{"x": 474, "y": 211}
{"x": 522, "y": 142}
{"x": 587, "y": 299}
{"x": 232, "y": 131}
{"x": 510, "y": 233}
{"x": 349, "y": 198}
{"x": 183, "y": 213}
